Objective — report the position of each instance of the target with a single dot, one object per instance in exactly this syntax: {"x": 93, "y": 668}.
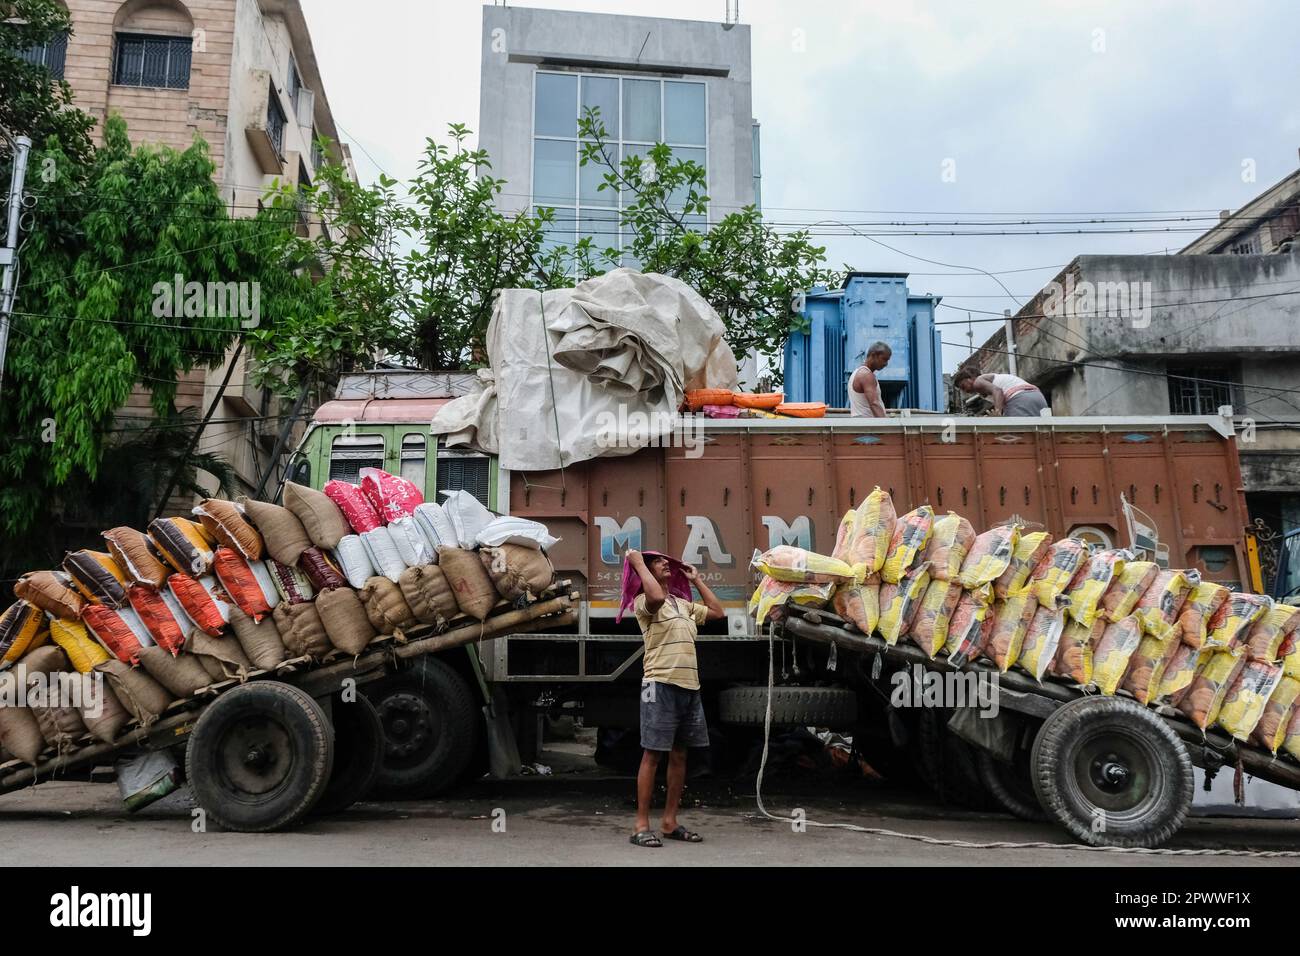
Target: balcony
{"x": 265, "y": 131}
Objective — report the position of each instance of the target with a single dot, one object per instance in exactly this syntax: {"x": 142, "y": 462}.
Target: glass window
{"x": 641, "y": 110}
{"x": 50, "y": 55}
{"x": 156, "y": 61}
{"x": 601, "y": 225}
{"x": 685, "y": 154}
{"x": 555, "y": 112}
{"x": 555, "y": 171}
{"x": 601, "y": 92}
{"x": 350, "y": 453}
{"x": 560, "y": 232}
{"x": 590, "y": 178}
{"x": 414, "y": 456}
{"x": 684, "y": 113}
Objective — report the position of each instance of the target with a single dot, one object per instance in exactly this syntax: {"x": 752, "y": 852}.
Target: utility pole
{"x": 9, "y": 252}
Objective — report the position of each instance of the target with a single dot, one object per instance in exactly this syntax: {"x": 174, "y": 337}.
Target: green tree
{"x": 93, "y": 318}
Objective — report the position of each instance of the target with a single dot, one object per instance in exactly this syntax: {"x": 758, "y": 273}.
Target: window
{"x": 294, "y": 83}
{"x": 1201, "y": 389}
{"x": 50, "y": 55}
{"x": 349, "y": 454}
{"x": 153, "y": 61}
{"x": 463, "y": 470}
{"x": 275, "y": 121}
{"x": 414, "y": 454}
{"x": 1250, "y": 246}
{"x": 636, "y": 113}
{"x": 317, "y": 153}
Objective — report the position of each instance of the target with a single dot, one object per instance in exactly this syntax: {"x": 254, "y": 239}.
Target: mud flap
{"x": 995, "y": 733}
{"x": 503, "y": 749}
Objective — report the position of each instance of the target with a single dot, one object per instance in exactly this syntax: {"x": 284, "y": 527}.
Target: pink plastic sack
{"x": 391, "y": 496}
{"x": 356, "y": 507}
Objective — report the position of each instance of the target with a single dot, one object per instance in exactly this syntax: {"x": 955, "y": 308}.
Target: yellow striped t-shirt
{"x": 670, "y": 640}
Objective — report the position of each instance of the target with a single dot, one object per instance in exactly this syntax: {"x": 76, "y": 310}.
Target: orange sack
{"x": 240, "y": 583}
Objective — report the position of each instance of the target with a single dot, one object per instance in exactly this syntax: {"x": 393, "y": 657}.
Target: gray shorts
{"x": 1026, "y": 404}
{"x": 671, "y": 715}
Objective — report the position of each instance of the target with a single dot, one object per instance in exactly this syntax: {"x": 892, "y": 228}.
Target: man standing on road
{"x": 672, "y": 712}
{"x": 864, "y": 390}
{"x": 1011, "y": 395}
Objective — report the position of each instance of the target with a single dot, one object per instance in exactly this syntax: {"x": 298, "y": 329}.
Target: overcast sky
{"x": 1042, "y": 106}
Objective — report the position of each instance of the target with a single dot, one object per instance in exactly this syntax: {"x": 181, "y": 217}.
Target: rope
{"x": 961, "y": 844}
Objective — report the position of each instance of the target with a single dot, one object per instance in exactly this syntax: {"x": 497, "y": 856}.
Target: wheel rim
{"x": 411, "y": 727}
{"x": 1117, "y": 772}
{"x": 256, "y": 757}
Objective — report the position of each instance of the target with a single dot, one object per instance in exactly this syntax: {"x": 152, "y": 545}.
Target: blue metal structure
{"x": 842, "y": 325}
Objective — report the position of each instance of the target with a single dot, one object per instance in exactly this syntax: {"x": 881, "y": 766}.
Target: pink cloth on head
{"x": 678, "y": 585}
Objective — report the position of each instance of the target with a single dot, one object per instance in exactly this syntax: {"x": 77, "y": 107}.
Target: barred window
{"x": 1201, "y": 389}
{"x": 50, "y": 55}
{"x": 152, "y": 61}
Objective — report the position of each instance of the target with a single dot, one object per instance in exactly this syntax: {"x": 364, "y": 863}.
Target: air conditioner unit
{"x": 306, "y": 107}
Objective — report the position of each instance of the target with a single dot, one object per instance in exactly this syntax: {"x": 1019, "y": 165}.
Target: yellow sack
{"x": 1266, "y": 637}
{"x": 1127, "y": 589}
{"x": 811, "y": 595}
{"x": 911, "y": 534}
{"x": 769, "y": 595}
{"x": 1085, "y": 592}
{"x": 1010, "y": 622}
{"x": 858, "y": 604}
{"x": 1161, "y": 603}
{"x": 1214, "y": 678}
{"x": 970, "y": 626}
{"x": 1111, "y": 655}
{"x": 989, "y": 556}
{"x": 22, "y": 628}
{"x": 1194, "y": 619}
{"x": 950, "y": 542}
{"x": 1030, "y": 549}
{"x": 1270, "y": 732}
{"x": 1074, "y": 653}
{"x": 83, "y": 651}
{"x": 929, "y": 630}
{"x": 1146, "y": 668}
{"x": 1050, "y": 579}
{"x": 1246, "y": 699}
{"x": 900, "y": 602}
{"x": 872, "y": 532}
{"x": 845, "y": 535}
{"x": 1042, "y": 640}
{"x": 1179, "y": 672}
{"x": 1232, "y": 621}
{"x": 798, "y": 566}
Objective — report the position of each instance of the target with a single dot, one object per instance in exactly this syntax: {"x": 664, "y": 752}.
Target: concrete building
{"x": 1176, "y": 335}
{"x": 240, "y": 73}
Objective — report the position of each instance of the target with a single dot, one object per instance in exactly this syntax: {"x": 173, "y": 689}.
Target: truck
{"x": 722, "y": 489}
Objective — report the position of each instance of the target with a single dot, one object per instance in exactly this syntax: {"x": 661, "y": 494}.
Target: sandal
{"x": 646, "y": 838}
{"x": 683, "y": 834}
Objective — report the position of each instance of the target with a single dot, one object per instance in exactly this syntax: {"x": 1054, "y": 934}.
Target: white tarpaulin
{"x": 596, "y": 370}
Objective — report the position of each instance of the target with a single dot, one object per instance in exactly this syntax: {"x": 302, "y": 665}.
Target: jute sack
{"x": 143, "y": 697}
{"x": 321, "y": 517}
{"x": 20, "y": 732}
{"x": 428, "y": 594}
{"x": 345, "y": 620}
{"x": 385, "y": 606}
{"x": 182, "y": 675}
{"x": 105, "y": 725}
{"x": 469, "y": 581}
{"x": 61, "y": 726}
{"x": 285, "y": 537}
{"x": 301, "y": 630}
{"x": 259, "y": 640}
{"x": 517, "y": 570}
{"x": 222, "y": 657}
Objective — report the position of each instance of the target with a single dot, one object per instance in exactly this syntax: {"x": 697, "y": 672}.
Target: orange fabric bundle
{"x": 802, "y": 409}
{"x": 237, "y": 577}
{"x": 763, "y": 400}
{"x": 697, "y": 398}
{"x": 200, "y": 602}
{"x": 166, "y": 623}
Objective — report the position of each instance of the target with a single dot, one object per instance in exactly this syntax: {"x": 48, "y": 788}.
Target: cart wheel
{"x": 428, "y": 715}
{"x": 1112, "y": 773}
{"x": 1011, "y": 784}
{"x": 358, "y": 754}
{"x": 260, "y": 757}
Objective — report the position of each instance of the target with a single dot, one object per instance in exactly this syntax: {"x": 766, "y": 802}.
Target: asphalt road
{"x": 577, "y": 819}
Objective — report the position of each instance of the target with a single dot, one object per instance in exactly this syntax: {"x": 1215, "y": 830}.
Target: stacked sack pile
{"x": 1101, "y": 619}
{"x": 245, "y": 587}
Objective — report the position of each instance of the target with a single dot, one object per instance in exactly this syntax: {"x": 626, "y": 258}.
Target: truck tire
{"x": 428, "y": 715}
{"x": 1011, "y": 785}
{"x": 260, "y": 757}
{"x": 358, "y": 754}
{"x": 835, "y": 707}
{"x": 949, "y": 765}
{"x": 1112, "y": 773}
